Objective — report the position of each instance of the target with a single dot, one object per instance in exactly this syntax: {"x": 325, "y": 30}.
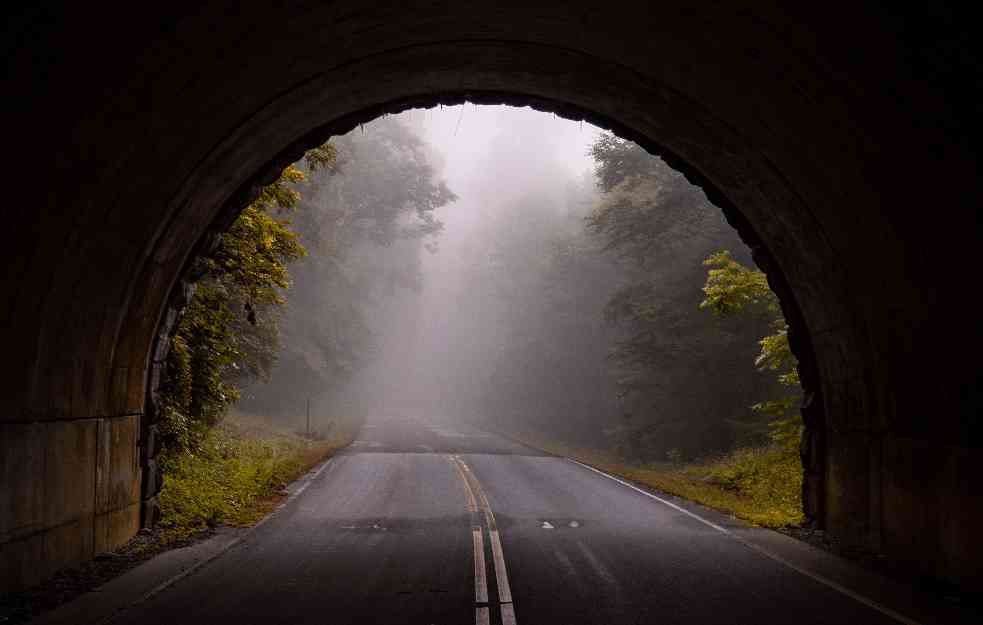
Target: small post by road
{"x": 308, "y": 417}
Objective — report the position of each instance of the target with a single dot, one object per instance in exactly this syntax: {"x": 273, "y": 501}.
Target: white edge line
{"x": 480, "y": 581}
{"x": 870, "y": 603}
{"x": 302, "y": 488}
{"x": 311, "y": 475}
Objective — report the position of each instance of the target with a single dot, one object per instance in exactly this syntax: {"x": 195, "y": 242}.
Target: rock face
{"x": 836, "y": 142}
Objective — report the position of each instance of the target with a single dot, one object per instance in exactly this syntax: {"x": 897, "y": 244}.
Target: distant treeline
{"x": 608, "y": 342}
{"x": 283, "y": 312}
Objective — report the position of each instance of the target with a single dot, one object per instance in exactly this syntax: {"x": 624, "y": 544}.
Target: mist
{"x": 439, "y": 353}
{"x": 502, "y": 305}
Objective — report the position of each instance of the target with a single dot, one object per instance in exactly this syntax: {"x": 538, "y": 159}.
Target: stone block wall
{"x": 69, "y": 490}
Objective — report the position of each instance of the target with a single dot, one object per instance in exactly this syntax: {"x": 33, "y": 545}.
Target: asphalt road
{"x": 425, "y": 524}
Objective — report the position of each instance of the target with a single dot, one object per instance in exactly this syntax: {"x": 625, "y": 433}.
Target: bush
{"x": 760, "y": 484}
{"x": 770, "y": 478}
{"x": 227, "y": 478}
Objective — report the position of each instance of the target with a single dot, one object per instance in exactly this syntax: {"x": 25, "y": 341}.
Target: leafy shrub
{"x": 770, "y": 478}
{"x": 226, "y": 478}
{"x": 760, "y": 484}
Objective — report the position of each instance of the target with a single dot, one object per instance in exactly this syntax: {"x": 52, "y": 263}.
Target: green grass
{"x": 762, "y": 485}
{"x": 237, "y": 476}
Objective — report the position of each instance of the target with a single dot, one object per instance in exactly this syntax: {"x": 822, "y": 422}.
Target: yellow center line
{"x": 476, "y": 499}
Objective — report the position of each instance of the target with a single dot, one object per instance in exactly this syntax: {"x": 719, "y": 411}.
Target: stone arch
{"x": 765, "y": 109}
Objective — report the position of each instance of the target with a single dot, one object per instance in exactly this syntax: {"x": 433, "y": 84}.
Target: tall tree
{"x": 685, "y": 385}
{"x": 229, "y": 331}
{"x": 366, "y": 227}
{"x": 733, "y": 289}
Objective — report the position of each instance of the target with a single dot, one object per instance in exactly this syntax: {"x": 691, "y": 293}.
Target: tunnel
{"x": 837, "y": 139}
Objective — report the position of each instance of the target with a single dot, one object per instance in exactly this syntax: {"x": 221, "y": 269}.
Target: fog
{"x": 437, "y": 357}
{"x": 460, "y": 270}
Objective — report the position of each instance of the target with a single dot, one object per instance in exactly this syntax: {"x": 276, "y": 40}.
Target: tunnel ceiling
{"x": 835, "y": 141}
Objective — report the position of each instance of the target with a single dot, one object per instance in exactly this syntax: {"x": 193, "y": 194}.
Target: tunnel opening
{"x": 810, "y": 449}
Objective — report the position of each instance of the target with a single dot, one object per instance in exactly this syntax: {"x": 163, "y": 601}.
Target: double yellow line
{"x": 478, "y": 507}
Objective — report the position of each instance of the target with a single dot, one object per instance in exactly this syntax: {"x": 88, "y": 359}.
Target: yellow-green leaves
{"x": 322, "y": 157}
{"x": 732, "y": 288}
{"x": 776, "y": 355}
{"x": 253, "y": 257}
{"x": 235, "y": 468}
{"x": 229, "y": 331}
{"x": 280, "y": 194}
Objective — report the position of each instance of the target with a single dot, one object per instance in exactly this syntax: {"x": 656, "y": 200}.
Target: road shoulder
{"x": 102, "y": 604}
{"x": 907, "y": 599}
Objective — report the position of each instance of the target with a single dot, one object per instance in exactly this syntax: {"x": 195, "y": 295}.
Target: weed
{"x": 762, "y": 485}
{"x": 235, "y": 476}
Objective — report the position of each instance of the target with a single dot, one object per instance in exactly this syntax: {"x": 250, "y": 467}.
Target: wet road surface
{"x": 425, "y": 523}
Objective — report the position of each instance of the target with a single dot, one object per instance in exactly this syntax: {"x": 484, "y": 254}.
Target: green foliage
{"x": 324, "y": 156}
{"x": 390, "y": 189}
{"x": 365, "y": 226}
{"x": 281, "y": 193}
{"x": 770, "y": 477}
{"x": 648, "y": 213}
{"x": 734, "y": 289}
{"x": 195, "y": 392}
{"x": 252, "y": 259}
{"x": 214, "y": 484}
{"x": 617, "y": 160}
{"x": 232, "y": 470}
{"x": 682, "y": 376}
{"x": 761, "y": 483}
{"x": 229, "y": 332}
{"x": 776, "y": 355}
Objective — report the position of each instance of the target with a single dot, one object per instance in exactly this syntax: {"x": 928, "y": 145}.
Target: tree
{"x": 536, "y": 315}
{"x": 366, "y": 227}
{"x": 734, "y": 289}
{"x": 683, "y": 384}
{"x": 595, "y": 331}
{"x": 229, "y": 331}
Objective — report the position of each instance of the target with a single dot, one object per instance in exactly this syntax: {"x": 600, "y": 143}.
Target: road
{"x": 421, "y": 523}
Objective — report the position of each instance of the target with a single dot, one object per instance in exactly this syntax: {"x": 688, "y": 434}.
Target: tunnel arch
{"x": 755, "y": 106}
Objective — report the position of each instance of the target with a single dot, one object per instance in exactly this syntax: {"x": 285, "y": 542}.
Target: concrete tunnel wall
{"x": 836, "y": 141}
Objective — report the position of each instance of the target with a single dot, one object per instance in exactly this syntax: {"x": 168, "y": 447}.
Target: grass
{"x": 238, "y": 475}
{"x": 762, "y": 485}
{"x": 236, "y": 479}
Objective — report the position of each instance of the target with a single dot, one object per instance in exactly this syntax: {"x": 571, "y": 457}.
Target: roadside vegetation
{"x": 217, "y": 469}
{"x": 281, "y": 317}
{"x": 759, "y": 484}
{"x": 662, "y": 350}
{"x": 238, "y": 473}
{"x": 620, "y": 315}
{"x": 284, "y": 312}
